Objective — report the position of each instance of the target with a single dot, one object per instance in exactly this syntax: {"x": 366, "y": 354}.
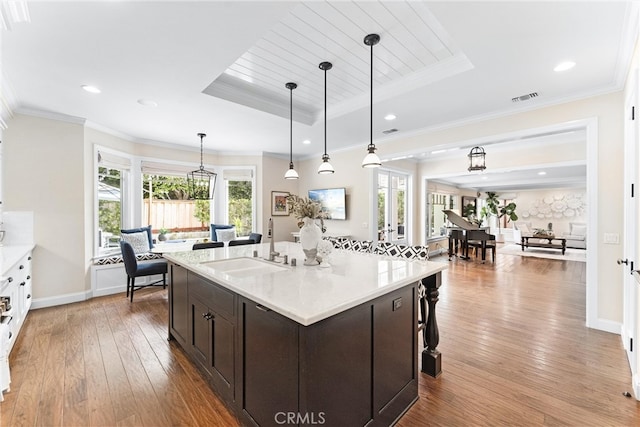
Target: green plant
{"x": 492, "y": 208}
{"x": 163, "y": 231}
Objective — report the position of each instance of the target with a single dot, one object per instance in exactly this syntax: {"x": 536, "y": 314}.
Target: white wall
{"x": 43, "y": 165}
{"x": 532, "y": 204}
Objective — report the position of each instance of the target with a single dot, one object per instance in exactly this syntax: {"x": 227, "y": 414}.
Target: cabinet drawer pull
{"x": 28, "y": 296}
{"x": 23, "y": 283}
{"x": 262, "y": 308}
{"x": 207, "y": 316}
{"x": 29, "y": 259}
{"x": 21, "y": 267}
{"x": 10, "y": 279}
{"x": 28, "y": 277}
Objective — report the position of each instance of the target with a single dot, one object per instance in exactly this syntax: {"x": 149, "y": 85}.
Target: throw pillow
{"x": 139, "y": 241}
{"x": 226, "y": 235}
{"x": 146, "y": 229}
{"x": 578, "y": 230}
{"x": 215, "y": 227}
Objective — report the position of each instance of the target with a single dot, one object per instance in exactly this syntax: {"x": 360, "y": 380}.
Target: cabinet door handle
{"x": 28, "y": 277}
{"x": 10, "y": 279}
{"x": 207, "y": 316}
{"x": 28, "y": 296}
{"x": 21, "y": 267}
{"x": 23, "y": 283}
{"x": 262, "y": 308}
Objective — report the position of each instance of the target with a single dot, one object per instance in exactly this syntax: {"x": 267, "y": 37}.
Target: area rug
{"x": 569, "y": 255}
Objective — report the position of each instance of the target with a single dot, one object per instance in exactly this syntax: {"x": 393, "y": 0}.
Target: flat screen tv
{"x": 333, "y": 201}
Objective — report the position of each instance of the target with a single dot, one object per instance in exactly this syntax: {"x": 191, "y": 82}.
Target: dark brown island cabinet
{"x": 358, "y": 367}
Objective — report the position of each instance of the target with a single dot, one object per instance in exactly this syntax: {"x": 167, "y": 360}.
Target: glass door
{"x": 393, "y": 224}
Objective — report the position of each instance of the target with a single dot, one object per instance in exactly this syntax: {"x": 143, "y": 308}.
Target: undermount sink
{"x": 243, "y": 267}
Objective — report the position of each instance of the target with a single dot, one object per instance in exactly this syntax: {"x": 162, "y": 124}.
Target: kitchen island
{"x": 283, "y": 344}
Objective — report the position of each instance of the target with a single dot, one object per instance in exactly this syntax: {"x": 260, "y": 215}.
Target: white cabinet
{"x": 17, "y": 285}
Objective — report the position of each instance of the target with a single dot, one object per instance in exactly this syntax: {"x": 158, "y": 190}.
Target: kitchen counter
{"x": 335, "y": 346}
{"x": 306, "y": 294}
{"x": 10, "y": 255}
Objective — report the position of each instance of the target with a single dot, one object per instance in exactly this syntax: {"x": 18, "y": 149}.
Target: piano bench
{"x": 483, "y": 245}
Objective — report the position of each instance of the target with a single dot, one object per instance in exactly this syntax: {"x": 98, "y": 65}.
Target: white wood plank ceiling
{"x": 414, "y": 51}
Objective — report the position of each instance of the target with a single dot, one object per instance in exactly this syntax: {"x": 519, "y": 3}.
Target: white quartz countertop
{"x": 10, "y": 255}
{"x": 305, "y": 294}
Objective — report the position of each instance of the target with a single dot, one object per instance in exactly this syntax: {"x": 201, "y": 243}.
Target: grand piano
{"x": 465, "y": 235}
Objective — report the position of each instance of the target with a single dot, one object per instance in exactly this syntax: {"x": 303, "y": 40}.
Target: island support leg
{"x": 431, "y": 357}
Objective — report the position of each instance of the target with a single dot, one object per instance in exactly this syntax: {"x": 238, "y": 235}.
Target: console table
{"x": 552, "y": 242}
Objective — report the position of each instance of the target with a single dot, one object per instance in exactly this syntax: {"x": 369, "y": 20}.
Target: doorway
{"x": 392, "y": 208}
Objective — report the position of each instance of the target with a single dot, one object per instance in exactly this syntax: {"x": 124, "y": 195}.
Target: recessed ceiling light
{"x": 564, "y": 66}
{"x": 542, "y": 173}
{"x": 90, "y": 89}
{"x": 147, "y": 102}
{"x": 390, "y": 117}
{"x": 306, "y": 142}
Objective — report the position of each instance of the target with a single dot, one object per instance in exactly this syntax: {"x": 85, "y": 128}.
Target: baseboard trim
{"x": 61, "y": 299}
{"x": 607, "y": 326}
{"x": 635, "y": 385}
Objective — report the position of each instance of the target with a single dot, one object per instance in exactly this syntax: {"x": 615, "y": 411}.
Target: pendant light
{"x": 371, "y": 160}
{"x": 325, "y": 167}
{"x": 291, "y": 172}
{"x": 476, "y": 159}
{"x": 201, "y": 183}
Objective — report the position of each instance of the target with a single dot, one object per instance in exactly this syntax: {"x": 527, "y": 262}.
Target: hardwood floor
{"x": 512, "y": 335}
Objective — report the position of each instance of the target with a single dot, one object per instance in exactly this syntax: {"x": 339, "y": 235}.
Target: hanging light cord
{"x": 371, "y": 115}
{"x": 325, "y": 114}
{"x": 291, "y": 126}
{"x": 201, "y": 152}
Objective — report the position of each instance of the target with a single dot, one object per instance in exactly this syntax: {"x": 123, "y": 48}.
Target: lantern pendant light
{"x": 291, "y": 172}
{"x": 201, "y": 183}
{"x": 476, "y": 159}
{"x": 325, "y": 167}
{"x": 371, "y": 160}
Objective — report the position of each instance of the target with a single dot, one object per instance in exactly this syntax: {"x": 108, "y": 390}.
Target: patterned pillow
{"x": 139, "y": 241}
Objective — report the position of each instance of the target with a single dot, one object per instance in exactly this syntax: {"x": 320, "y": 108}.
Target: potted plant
{"x": 162, "y": 236}
{"x": 493, "y": 209}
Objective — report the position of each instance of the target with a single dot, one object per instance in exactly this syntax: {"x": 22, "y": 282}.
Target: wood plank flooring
{"x": 512, "y": 335}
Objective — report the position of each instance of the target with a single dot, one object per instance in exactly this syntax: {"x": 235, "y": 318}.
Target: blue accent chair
{"x": 134, "y": 269}
{"x": 207, "y": 245}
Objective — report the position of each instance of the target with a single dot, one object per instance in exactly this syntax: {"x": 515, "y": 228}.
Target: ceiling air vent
{"x": 388, "y": 131}
{"x": 524, "y": 97}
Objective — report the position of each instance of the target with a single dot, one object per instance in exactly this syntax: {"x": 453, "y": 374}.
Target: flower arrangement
{"x": 303, "y": 207}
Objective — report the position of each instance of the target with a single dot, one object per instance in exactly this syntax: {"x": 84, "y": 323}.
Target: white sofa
{"x": 576, "y": 236}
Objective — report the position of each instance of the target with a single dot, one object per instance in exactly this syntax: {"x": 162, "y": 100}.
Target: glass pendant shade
{"x": 201, "y": 183}
{"x": 476, "y": 159}
{"x": 371, "y": 160}
{"x": 291, "y": 172}
{"x": 325, "y": 167}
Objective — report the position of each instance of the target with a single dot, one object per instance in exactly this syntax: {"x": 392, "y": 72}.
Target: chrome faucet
{"x": 272, "y": 251}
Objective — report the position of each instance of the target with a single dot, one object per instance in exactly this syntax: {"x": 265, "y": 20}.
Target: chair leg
{"x": 164, "y": 281}
{"x": 128, "y": 278}
{"x": 133, "y": 284}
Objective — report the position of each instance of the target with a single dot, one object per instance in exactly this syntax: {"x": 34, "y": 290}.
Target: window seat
{"x": 117, "y": 259}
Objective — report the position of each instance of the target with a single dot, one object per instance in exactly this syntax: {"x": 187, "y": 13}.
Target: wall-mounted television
{"x": 333, "y": 201}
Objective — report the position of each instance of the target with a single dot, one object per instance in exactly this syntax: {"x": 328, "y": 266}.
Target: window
{"x": 436, "y": 219}
{"x": 240, "y": 198}
{"x": 112, "y": 200}
{"x": 166, "y": 204}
